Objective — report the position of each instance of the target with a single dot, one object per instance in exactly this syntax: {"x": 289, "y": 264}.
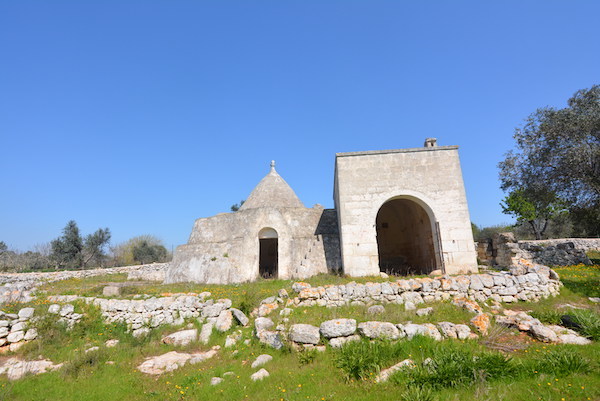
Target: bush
{"x": 84, "y": 362}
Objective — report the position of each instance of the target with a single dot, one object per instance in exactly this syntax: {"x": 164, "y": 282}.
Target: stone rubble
{"x": 541, "y": 332}
{"x": 173, "y": 360}
{"x": 15, "y": 368}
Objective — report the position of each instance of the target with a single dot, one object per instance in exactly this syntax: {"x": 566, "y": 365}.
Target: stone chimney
{"x": 430, "y": 142}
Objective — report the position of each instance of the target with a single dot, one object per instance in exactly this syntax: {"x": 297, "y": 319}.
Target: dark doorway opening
{"x": 405, "y": 238}
{"x": 267, "y": 265}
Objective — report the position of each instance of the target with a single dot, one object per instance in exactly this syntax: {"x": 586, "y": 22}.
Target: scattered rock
{"x": 15, "y": 368}
{"x": 261, "y": 374}
{"x": 385, "y": 374}
{"x": 224, "y": 321}
{"x": 172, "y": 360}
{"x": 481, "y": 322}
{"x": 26, "y": 313}
{"x": 240, "y": 316}
{"x": 375, "y": 310}
{"x": 216, "y": 380}
{"x": 261, "y": 360}
{"x": 263, "y": 323}
{"x": 92, "y": 349}
{"x": 424, "y": 311}
{"x": 206, "y": 331}
{"x": 111, "y": 343}
{"x": 338, "y": 342}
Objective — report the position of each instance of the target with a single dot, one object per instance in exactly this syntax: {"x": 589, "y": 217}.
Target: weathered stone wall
{"x": 430, "y": 176}
{"x": 140, "y": 315}
{"x": 504, "y": 250}
{"x": 537, "y": 282}
{"x": 18, "y": 287}
{"x": 224, "y": 249}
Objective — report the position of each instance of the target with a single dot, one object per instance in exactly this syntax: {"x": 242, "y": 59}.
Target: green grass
{"x": 463, "y": 370}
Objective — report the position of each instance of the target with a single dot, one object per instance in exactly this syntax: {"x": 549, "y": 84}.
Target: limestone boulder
{"x": 224, "y": 321}
{"x": 181, "y": 338}
{"x": 379, "y": 330}
{"x": 385, "y": 374}
{"x": 261, "y": 360}
{"x": 270, "y": 338}
{"x": 338, "y": 342}
{"x": 338, "y": 328}
{"x": 304, "y": 334}
{"x": 481, "y": 322}
{"x": 240, "y": 316}
{"x": 171, "y": 361}
{"x": 262, "y": 324}
{"x": 15, "y": 368}
{"x": 26, "y": 313}
{"x": 261, "y": 374}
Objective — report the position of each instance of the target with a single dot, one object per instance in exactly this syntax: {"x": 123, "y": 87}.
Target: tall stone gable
{"x": 429, "y": 178}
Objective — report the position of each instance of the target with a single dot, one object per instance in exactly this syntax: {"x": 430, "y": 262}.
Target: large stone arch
{"x": 407, "y": 236}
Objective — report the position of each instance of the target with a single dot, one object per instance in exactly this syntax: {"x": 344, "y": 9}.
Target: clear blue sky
{"x": 142, "y": 116}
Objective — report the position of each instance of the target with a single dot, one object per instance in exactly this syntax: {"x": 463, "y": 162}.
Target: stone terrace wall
{"x": 505, "y": 251}
{"x": 536, "y": 282}
{"x": 18, "y": 287}
{"x": 140, "y": 315}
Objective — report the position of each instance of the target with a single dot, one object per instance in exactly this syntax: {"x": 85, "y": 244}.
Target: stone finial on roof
{"x": 272, "y": 191}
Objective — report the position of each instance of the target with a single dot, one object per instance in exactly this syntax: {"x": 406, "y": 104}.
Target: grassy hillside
{"x": 458, "y": 370}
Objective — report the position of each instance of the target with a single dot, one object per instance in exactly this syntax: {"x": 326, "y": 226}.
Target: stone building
{"x": 396, "y": 211}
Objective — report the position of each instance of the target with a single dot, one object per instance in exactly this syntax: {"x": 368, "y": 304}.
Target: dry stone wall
{"x": 19, "y": 287}
{"x": 530, "y": 285}
{"x": 504, "y": 250}
{"x": 141, "y": 315}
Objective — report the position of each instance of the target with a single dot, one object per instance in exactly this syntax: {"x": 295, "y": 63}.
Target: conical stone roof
{"x": 272, "y": 191}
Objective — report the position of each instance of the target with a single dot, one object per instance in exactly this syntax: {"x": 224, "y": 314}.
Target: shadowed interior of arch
{"x": 268, "y": 253}
{"x": 404, "y": 238}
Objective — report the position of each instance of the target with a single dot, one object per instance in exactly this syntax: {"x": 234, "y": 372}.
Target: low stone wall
{"x": 140, "y": 315}
{"x": 504, "y": 250}
{"x": 529, "y": 285}
{"x": 18, "y": 287}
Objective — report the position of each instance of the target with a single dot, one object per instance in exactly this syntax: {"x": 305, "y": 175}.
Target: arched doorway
{"x": 405, "y": 240}
{"x": 268, "y": 253}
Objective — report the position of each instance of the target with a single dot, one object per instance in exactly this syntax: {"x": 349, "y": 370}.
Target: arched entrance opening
{"x": 405, "y": 239}
{"x": 268, "y": 255}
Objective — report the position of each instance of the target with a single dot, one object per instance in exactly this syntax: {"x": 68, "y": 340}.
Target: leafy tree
{"x": 3, "y": 247}
{"x": 559, "y": 150}
{"x": 67, "y": 249}
{"x": 94, "y": 245}
{"x": 148, "y": 253}
{"x": 536, "y": 208}
{"x": 236, "y": 206}
{"x": 123, "y": 252}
